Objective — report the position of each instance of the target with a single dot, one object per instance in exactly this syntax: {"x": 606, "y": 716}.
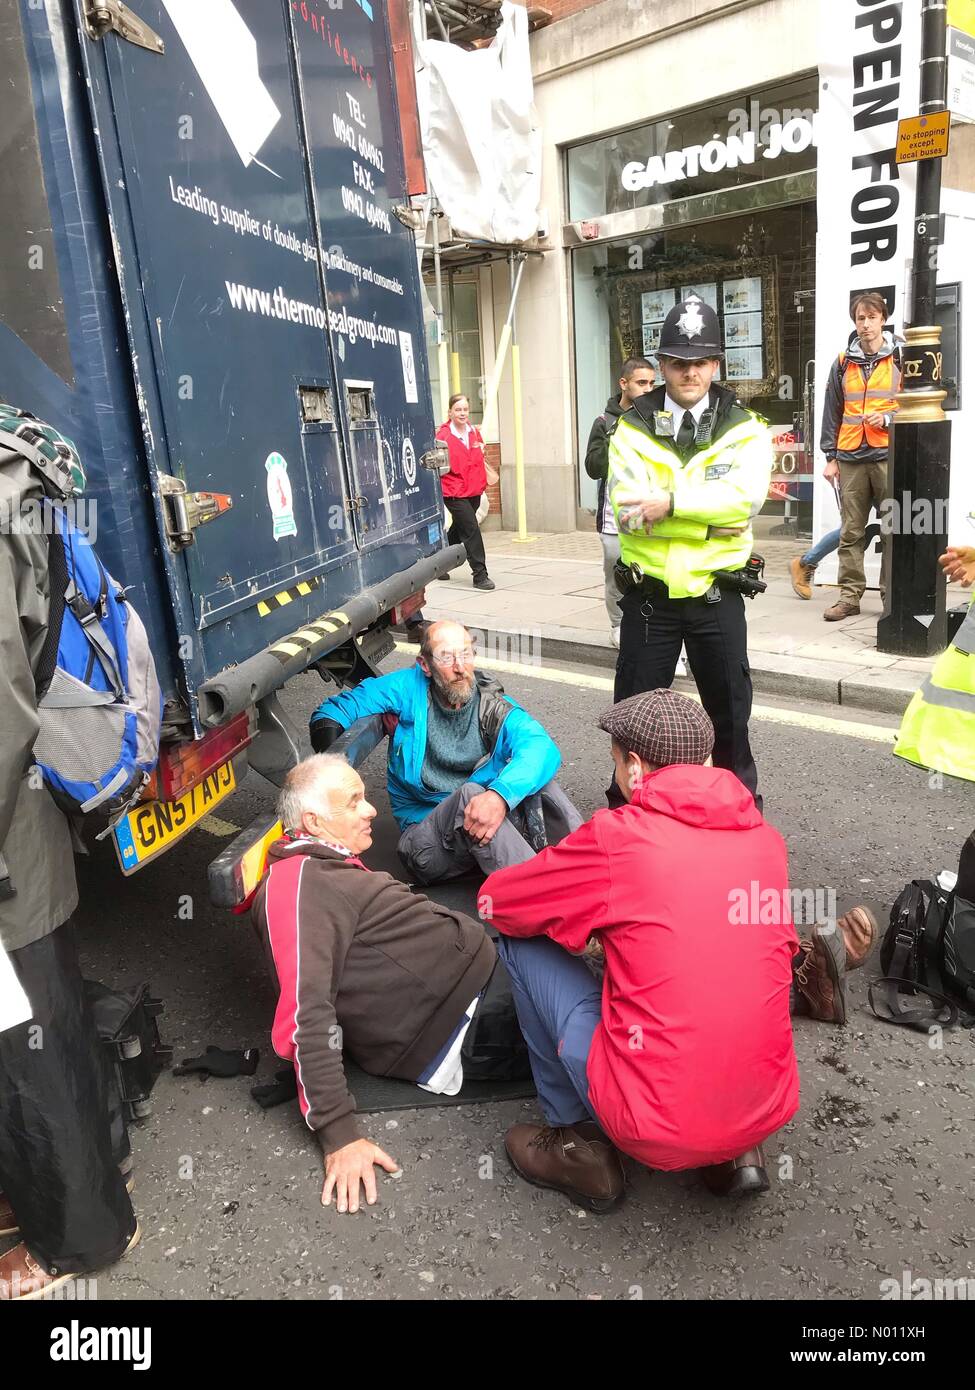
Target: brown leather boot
{"x": 744, "y": 1176}
{"x": 820, "y": 975}
{"x": 841, "y": 610}
{"x": 802, "y": 577}
{"x": 575, "y": 1159}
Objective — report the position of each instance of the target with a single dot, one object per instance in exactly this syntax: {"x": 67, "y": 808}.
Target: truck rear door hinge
{"x": 184, "y": 510}
{"x": 112, "y": 17}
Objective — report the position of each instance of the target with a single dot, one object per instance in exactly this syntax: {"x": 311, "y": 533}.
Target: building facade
{"x": 679, "y": 154}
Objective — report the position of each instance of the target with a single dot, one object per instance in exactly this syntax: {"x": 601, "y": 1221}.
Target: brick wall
{"x": 492, "y": 455}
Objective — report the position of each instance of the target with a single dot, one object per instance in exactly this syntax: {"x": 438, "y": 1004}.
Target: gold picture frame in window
{"x": 629, "y": 289}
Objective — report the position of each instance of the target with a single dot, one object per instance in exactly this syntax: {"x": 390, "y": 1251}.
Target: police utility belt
{"x": 747, "y": 580}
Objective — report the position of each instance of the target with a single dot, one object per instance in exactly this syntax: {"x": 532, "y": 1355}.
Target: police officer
{"x": 689, "y": 467}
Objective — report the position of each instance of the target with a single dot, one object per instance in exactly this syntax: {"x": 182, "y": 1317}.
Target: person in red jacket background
{"x": 683, "y": 1056}
{"x": 463, "y": 486}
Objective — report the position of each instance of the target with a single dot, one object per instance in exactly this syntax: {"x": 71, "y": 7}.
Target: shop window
{"x": 464, "y": 338}
{"x": 749, "y": 269}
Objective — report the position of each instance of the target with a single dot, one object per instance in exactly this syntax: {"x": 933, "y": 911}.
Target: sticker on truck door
{"x": 409, "y": 367}
{"x": 279, "y": 497}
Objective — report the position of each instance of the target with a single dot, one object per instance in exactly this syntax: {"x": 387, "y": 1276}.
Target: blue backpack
{"x": 98, "y": 698}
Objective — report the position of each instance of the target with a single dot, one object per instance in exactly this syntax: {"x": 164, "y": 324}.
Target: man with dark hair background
{"x": 637, "y": 376}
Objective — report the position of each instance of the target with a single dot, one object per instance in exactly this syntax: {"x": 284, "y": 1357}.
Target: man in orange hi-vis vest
{"x": 860, "y": 399}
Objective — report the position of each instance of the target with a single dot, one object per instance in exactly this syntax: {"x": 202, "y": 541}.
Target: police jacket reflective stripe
{"x": 938, "y": 728}
{"x": 723, "y": 483}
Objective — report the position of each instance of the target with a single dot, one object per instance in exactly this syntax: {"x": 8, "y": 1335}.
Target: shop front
{"x": 718, "y": 201}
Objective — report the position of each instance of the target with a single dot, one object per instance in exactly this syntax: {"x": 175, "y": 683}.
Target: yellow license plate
{"x": 154, "y": 825}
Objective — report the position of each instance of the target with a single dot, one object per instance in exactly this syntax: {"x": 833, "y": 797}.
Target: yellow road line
{"x": 818, "y": 723}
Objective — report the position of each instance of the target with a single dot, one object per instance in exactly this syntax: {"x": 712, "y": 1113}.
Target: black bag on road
{"x": 928, "y": 957}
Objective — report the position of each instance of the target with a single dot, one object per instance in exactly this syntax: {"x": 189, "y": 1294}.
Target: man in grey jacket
{"x": 60, "y": 1183}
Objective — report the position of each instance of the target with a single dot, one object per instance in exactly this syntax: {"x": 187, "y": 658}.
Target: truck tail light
{"x": 182, "y": 765}
{"x": 405, "y": 610}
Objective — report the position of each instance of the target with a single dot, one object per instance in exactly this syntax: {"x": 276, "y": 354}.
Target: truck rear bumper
{"x": 238, "y": 687}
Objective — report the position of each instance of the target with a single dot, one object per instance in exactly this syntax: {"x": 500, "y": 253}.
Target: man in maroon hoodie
{"x": 683, "y": 1057}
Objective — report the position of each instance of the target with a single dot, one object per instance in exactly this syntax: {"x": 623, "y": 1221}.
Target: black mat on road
{"x": 374, "y": 1093}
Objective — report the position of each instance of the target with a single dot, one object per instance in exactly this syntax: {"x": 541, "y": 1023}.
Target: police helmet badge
{"x": 691, "y": 324}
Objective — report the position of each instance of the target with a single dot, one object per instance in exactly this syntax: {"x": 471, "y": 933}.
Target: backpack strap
{"x": 886, "y": 1002}
{"x": 57, "y": 582}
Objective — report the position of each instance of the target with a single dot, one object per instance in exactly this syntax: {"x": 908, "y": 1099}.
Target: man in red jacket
{"x": 684, "y": 1056}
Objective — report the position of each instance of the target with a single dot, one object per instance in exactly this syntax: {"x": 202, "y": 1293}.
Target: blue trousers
{"x": 558, "y": 1001}
{"x": 828, "y": 543}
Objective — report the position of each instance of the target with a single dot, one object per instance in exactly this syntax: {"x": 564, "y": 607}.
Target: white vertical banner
{"x": 869, "y": 78}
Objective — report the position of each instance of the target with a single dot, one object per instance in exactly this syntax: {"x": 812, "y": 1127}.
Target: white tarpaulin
{"x": 482, "y": 144}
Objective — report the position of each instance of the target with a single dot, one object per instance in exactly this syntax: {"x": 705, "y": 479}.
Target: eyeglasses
{"x": 447, "y": 658}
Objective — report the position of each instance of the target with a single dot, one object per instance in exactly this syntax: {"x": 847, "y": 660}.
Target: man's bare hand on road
{"x": 345, "y": 1168}
{"x": 483, "y": 815}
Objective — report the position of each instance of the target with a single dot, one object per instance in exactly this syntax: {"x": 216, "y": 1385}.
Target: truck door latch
{"x": 112, "y": 17}
{"x": 437, "y": 459}
{"x": 184, "y": 510}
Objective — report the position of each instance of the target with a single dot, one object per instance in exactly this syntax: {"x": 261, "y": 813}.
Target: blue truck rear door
{"x": 348, "y": 101}
{"x": 278, "y": 362}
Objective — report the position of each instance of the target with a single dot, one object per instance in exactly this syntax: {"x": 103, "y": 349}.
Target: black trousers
{"x": 57, "y": 1165}
{"x": 465, "y": 531}
{"x": 716, "y": 639}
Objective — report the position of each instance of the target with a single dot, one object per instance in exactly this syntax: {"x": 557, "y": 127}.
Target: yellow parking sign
{"x": 923, "y": 137}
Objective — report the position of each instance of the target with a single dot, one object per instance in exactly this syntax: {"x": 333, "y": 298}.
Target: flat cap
{"x": 661, "y": 726}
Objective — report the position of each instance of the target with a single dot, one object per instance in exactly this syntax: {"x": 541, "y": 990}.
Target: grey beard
{"x": 452, "y": 695}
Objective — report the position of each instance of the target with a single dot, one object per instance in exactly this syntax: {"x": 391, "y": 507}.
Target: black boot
{"x": 743, "y": 1176}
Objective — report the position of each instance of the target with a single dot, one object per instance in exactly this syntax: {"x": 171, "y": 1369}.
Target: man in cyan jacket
{"x": 470, "y": 773}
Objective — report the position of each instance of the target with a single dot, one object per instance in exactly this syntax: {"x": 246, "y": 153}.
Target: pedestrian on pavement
{"x": 463, "y": 486}
{"x": 858, "y": 405}
{"x": 682, "y": 1057}
{"x": 60, "y": 1184}
{"x": 689, "y": 468}
{"x": 368, "y": 969}
{"x": 637, "y": 376}
{"x": 802, "y": 568}
{"x": 471, "y": 775}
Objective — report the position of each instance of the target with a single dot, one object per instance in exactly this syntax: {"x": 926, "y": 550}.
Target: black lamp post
{"x": 915, "y": 527}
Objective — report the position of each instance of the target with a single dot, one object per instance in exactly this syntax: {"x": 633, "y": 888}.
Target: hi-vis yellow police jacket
{"x": 938, "y": 728}
{"x": 722, "y": 486}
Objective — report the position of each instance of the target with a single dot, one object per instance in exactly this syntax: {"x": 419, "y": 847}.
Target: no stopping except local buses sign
{"x": 923, "y": 137}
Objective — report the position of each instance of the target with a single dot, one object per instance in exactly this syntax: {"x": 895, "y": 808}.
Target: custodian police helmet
{"x": 690, "y": 331}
